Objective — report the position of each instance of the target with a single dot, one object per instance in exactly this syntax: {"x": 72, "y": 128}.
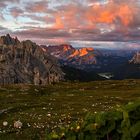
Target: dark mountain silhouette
{"x": 130, "y": 70}
{"x": 74, "y": 74}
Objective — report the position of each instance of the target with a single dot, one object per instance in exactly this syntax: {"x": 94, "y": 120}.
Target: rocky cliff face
{"x": 71, "y": 56}
{"x": 26, "y": 62}
{"x": 136, "y": 58}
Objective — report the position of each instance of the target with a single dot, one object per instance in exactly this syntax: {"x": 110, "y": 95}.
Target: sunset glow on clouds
{"x": 49, "y": 21}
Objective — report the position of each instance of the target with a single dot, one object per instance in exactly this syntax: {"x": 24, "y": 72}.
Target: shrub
{"x": 123, "y": 123}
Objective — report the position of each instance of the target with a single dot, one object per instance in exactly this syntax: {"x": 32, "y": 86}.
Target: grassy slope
{"x": 65, "y": 102}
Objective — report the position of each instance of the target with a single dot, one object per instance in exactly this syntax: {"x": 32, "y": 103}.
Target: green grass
{"x": 65, "y": 102}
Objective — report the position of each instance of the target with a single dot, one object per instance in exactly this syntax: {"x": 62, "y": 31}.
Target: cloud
{"x": 42, "y": 35}
{"x": 112, "y": 13}
{"x": 4, "y": 30}
{"x": 2, "y": 4}
{"x": 36, "y": 7}
{"x": 68, "y": 20}
{"x": 15, "y": 12}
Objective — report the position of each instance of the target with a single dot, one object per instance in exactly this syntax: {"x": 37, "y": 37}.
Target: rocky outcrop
{"x": 136, "y": 58}
{"x": 26, "y": 62}
{"x": 72, "y": 56}
{"x": 59, "y": 51}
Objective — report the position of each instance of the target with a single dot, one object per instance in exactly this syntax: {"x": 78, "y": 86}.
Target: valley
{"x": 119, "y": 63}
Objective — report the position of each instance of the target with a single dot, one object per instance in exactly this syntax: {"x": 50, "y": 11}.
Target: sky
{"x": 71, "y": 21}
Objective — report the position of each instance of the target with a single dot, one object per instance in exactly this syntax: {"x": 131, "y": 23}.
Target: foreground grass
{"x": 122, "y": 123}
{"x": 50, "y": 107}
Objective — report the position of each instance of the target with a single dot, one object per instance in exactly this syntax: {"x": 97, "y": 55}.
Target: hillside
{"x": 42, "y": 109}
{"x": 75, "y": 74}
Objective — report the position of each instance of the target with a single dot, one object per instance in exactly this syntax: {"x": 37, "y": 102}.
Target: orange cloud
{"x": 94, "y": 20}
{"x": 39, "y": 8}
{"x": 58, "y": 23}
{"x": 126, "y": 14}
{"x": 111, "y": 13}
{"x": 74, "y": 16}
{"x": 66, "y": 17}
{"x": 106, "y": 17}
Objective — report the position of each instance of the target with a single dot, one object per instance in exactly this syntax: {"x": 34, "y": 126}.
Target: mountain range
{"x": 27, "y": 62}
{"x": 89, "y": 59}
{"x": 68, "y": 54}
{"x": 108, "y": 64}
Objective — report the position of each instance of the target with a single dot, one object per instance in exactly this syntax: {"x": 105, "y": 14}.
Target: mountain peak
{"x": 87, "y": 48}
{"x": 81, "y": 52}
{"x": 136, "y": 58}
{"x": 66, "y": 47}
{"x": 8, "y": 40}
{"x": 74, "y": 56}
{"x": 25, "y": 62}
{"x": 85, "y": 51}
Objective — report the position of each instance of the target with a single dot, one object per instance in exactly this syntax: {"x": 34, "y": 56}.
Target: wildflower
{"x": 28, "y": 125}
{"x": 71, "y": 128}
{"x": 5, "y": 123}
{"x": 44, "y": 108}
{"x": 18, "y": 124}
{"x": 78, "y": 127}
{"x": 63, "y": 134}
{"x": 49, "y": 115}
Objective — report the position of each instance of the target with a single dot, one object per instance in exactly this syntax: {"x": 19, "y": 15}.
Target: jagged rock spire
{"x": 25, "y": 62}
{"x": 136, "y": 58}
{"x": 8, "y": 40}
